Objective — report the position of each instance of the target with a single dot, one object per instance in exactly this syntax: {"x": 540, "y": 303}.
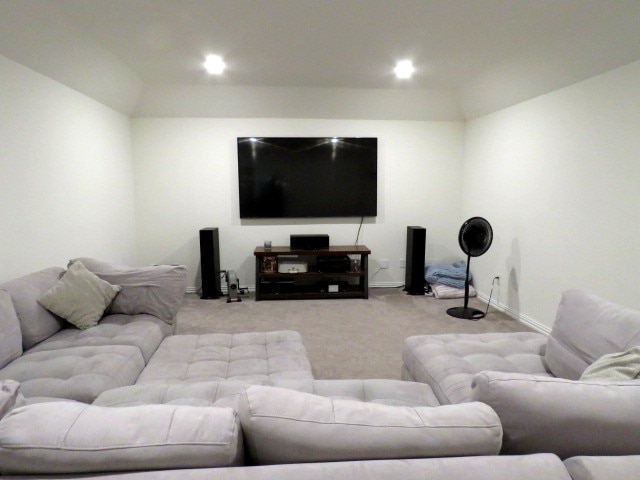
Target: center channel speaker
{"x": 210, "y": 263}
{"x": 414, "y": 273}
{"x": 309, "y": 242}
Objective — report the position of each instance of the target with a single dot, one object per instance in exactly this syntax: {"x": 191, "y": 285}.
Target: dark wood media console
{"x": 348, "y": 281}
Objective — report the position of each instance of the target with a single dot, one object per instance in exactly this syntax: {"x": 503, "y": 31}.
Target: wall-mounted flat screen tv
{"x": 292, "y": 177}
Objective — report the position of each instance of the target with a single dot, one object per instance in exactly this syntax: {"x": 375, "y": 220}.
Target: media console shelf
{"x": 348, "y": 281}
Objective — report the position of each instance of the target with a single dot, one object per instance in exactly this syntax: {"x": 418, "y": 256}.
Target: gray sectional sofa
{"x": 127, "y": 399}
{"x": 51, "y": 358}
{"x": 526, "y": 376}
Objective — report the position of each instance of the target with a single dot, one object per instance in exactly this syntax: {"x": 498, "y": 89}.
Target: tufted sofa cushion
{"x": 226, "y": 392}
{"x": 79, "y": 373}
{"x": 381, "y": 391}
{"x": 256, "y": 358}
{"x": 200, "y": 394}
{"x": 447, "y": 363}
{"x": 36, "y": 322}
{"x": 142, "y": 331}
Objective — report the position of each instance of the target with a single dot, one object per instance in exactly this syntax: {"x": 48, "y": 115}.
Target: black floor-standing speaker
{"x": 414, "y": 274}
{"x": 210, "y": 263}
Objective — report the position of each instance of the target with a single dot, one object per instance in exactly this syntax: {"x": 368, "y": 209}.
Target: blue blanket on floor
{"x": 451, "y": 274}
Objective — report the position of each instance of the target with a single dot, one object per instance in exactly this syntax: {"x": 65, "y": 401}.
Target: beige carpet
{"x": 351, "y": 338}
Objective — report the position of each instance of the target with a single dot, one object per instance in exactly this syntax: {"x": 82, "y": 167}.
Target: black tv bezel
{"x": 370, "y": 211}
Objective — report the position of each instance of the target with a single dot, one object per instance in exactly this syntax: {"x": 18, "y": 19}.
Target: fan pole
{"x": 466, "y": 284}
{"x": 466, "y": 312}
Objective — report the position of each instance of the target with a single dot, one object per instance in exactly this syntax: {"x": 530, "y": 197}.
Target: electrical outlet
{"x": 497, "y": 279}
{"x": 402, "y": 263}
{"x": 384, "y": 263}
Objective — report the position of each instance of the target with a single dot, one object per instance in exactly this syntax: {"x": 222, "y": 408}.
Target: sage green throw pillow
{"x": 615, "y": 367}
{"x": 80, "y": 297}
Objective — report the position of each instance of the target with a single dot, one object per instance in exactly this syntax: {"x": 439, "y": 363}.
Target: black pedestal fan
{"x": 475, "y": 238}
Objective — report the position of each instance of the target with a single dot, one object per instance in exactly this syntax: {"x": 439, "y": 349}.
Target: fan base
{"x": 466, "y": 313}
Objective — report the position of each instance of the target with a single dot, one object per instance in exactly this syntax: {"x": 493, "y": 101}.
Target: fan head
{"x": 475, "y": 236}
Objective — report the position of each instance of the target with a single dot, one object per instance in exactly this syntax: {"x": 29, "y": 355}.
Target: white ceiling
{"x": 479, "y": 49}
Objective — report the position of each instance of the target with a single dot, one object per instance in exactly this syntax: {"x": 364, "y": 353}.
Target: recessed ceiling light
{"x": 404, "y": 69}
{"x": 214, "y": 64}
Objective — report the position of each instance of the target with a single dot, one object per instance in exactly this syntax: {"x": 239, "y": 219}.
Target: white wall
{"x": 66, "y": 175}
{"x": 186, "y": 179}
{"x": 558, "y": 177}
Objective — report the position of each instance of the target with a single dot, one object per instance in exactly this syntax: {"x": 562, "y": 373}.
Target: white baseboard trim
{"x": 386, "y": 284}
{"x": 252, "y": 288}
{"x": 528, "y": 321}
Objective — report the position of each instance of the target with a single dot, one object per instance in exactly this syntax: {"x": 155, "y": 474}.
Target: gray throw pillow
{"x": 80, "y": 297}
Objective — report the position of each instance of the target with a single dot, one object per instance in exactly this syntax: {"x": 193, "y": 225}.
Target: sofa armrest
{"x": 157, "y": 289}
{"x": 70, "y": 437}
{"x": 565, "y": 417}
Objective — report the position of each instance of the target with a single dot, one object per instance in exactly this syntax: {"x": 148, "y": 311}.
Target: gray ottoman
{"x": 255, "y": 358}
{"x": 447, "y": 363}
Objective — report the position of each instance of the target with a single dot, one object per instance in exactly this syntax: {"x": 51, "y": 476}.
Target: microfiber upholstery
{"x": 155, "y": 289}
{"x": 227, "y": 392}
{"x": 381, "y": 391}
{"x": 447, "y": 363}
{"x": 622, "y": 467}
{"x": 78, "y": 373}
{"x": 10, "y": 396}
{"x": 199, "y": 394}
{"x": 287, "y": 426}
{"x": 77, "y": 438}
{"x": 256, "y": 358}
{"x": 560, "y": 416}
{"x": 36, "y": 322}
{"x": 10, "y": 334}
{"x": 586, "y": 328}
{"x": 142, "y": 331}
{"x": 80, "y": 297}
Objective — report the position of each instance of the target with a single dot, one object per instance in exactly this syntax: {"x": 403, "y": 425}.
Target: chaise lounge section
{"x": 534, "y": 382}
{"x": 52, "y": 358}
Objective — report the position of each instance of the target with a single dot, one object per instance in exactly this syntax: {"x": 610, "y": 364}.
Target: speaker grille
{"x": 414, "y": 275}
